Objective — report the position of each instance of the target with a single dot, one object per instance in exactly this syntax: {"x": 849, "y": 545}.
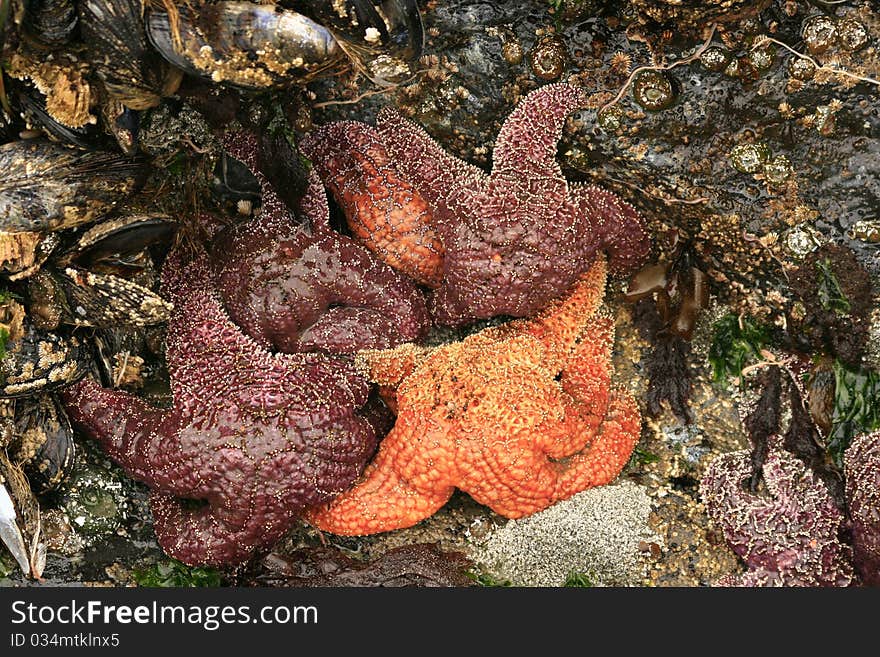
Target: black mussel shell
{"x": 107, "y": 300}
{"x": 123, "y": 235}
{"x": 281, "y": 163}
{"x": 46, "y": 186}
{"x": 115, "y": 348}
{"x": 117, "y": 46}
{"x": 47, "y": 303}
{"x": 42, "y": 361}
{"x": 44, "y": 441}
{"x": 123, "y": 123}
{"x": 22, "y": 533}
{"x": 381, "y": 36}
{"x": 49, "y": 23}
{"x": 247, "y": 45}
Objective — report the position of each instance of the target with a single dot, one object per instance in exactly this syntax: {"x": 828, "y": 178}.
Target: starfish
{"x": 519, "y": 416}
{"x": 301, "y": 286}
{"x": 382, "y": 209}
{"x": 255, "y": 436}
{"x": 862, "y": 468}
{"x": 512, "y": 239}
{"x": 789, "y": 536}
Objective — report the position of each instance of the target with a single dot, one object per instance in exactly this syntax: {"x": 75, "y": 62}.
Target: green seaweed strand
{"x": 828, "y": 290}
{"x": 176, "y": 574}
{"x": 856, "y": 407}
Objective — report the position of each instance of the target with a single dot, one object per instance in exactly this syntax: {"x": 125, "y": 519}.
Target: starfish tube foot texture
{"x": 512, "y": 240}
{"x": 519, "y": 416}
{"x": 252, "y": 437}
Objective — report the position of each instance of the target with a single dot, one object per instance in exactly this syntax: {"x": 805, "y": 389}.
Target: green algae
{"x": 735, "y": 341}
{"x": 856, "y": 407}
{"x": 173, "y": 573}
{"x": 487, "y": 579}
{"x": 828, "y": 290}
{"x": 578, "y": 581}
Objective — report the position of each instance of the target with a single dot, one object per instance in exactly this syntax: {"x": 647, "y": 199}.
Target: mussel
{"x": 380, "y": 36}
{"x": 247, "y": 45}
{"x": 117, "y": 47}
{"x": 48, "y": 187}
{"x": 103, "y": 279}
{"x": 33, "y": 106}
{"x": 37, "y": 451}
{"x": 40, "y": 361}
{"x": 20, "y": 524}
{"x": 43, "y": 442}
{"x": 49, "y": 23}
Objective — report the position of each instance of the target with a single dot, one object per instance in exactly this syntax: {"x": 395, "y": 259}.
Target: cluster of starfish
{"x": 281, "y": 325}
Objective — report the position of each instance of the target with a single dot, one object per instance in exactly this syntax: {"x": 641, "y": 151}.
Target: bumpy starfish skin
{"x": 257, "y": 436}
{"x": 302, "y": 287}
{"x": 382, "y": 209}
{"x": 788, "y": 536}
{"x": 513, "y": 239}
{"x": 519, "y": 416}
{"x": 862, "y": 468}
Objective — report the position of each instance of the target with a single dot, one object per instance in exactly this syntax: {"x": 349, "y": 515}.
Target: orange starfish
{"x": 519, "y": 416}
{"x": 383, "y": 210}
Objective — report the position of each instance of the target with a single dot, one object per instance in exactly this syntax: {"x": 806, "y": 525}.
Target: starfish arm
{"x": 603, "y": 459}
{"x": 383, "y": 210}
{"x": 389, "y": 367}
{"x": 388, "y": 305}
{"x": 313, "y": 205}
{"x": 527, "y": 142}
{"x": 214, "y": 366}
{"x": 560, "y": 324}
{"x": 436, "y": 174}
{"x": 584, "y": 383}
{"x": 618, "y": 228}
{"x": 198, "y": 536}
{"x": 382, "y": 501}
{"x": 129, "y": 430}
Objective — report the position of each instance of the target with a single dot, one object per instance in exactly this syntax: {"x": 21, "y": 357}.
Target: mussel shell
{"x": 281, "y": 163}
{"x": 49, "y": 23}
{"x": 47, "y": 303}
{"x": 247, "y": 45}
{"x": 33, "y": 106}
{"x": 46, "y": 186}
{"x": 113, "y": 347}
{"x": 44, "y": 441}
{"x": 123, "y": 123}
{"x": 22, "y": 533}
{"x": 130, "y": 233}
{"x": 378, "y": 35}
{"x": 105, "y": 300}
{"x": 117, "y": 46}
{"x": 42, "y": 361}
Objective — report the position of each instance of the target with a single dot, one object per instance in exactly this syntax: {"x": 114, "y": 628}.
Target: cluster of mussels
{"x": 82, "y": 239}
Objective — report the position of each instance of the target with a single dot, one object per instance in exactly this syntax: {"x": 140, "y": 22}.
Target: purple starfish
{"x": 302, "y": 286}
{"x": 256, "y": 436}
{"x": 788, "y": 536}
{"x": 515, "y": 238}
{"x": 862, "y": 468}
